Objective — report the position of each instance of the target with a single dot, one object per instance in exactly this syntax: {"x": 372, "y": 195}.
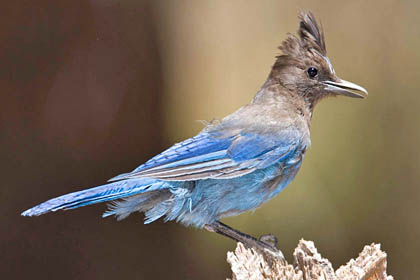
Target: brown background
{"x": 91, "y": 89}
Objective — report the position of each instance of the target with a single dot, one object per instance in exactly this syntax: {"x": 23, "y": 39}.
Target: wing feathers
{"x": 221, "y": 158}
{"x": 198, "y": 169}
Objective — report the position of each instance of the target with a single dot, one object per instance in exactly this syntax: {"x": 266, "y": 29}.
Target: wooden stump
{"x": 308, "y": 265}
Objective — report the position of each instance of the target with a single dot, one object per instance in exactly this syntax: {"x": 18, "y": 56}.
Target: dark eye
{"x": 312, "y": 72}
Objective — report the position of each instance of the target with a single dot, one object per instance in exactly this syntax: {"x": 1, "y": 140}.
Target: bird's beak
{"x": 343, "y": 87}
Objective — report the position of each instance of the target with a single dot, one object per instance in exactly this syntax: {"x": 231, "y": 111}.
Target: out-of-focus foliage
{"x": 90, "y": 89}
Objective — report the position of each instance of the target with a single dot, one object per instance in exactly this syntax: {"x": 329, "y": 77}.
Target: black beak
{"x": 343, "y": 87}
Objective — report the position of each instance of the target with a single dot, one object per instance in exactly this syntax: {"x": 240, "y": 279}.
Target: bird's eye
{"x": 312, "y": 72}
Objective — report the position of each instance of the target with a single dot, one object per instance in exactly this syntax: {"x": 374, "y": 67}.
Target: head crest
{"x": 310, "y": 33}
{"x": 311, "y": 37}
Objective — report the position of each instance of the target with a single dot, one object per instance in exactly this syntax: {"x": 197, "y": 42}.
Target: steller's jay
{"x": 235, "y": 164}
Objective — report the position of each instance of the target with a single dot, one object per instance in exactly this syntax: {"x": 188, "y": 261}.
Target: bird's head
{"x": 305, "y": 68}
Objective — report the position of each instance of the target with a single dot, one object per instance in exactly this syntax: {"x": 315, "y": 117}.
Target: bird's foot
{"x": 272, "y": 252}
{"x": 269, "y": 239}
{"x": 265, "y": 245}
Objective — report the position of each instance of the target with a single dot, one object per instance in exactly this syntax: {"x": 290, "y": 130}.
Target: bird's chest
{"x": 281, "y": 174}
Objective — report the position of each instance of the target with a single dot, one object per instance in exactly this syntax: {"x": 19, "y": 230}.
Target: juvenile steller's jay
{"x": 235, "y": 164}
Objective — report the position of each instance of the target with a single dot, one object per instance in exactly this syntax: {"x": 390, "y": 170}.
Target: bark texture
{"x": 308, "y": 264}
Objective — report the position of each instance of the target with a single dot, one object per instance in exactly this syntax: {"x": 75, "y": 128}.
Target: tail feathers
{"x": 143, "y": 202}
{"x": 99, "y": 194}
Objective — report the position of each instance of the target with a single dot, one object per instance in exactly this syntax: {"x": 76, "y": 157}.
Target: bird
{"x": 234, "y": 164}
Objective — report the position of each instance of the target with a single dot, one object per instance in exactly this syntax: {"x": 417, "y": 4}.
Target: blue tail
{"x": 99, "y": 194}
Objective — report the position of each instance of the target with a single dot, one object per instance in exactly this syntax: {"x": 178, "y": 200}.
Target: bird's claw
{"x": 269, "y": 239}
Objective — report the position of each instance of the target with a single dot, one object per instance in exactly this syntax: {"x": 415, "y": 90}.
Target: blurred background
{"x": 91, "y": 89}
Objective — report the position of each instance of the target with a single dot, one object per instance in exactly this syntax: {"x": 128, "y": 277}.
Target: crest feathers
{"x": 310, "y": 33}
{"x": 311, "y": 37}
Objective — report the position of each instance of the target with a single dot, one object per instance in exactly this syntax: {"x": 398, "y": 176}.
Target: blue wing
{"x": 212, "y": 156}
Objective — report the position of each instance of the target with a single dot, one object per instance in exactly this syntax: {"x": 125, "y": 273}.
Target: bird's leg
{"x": 266, "y": 243}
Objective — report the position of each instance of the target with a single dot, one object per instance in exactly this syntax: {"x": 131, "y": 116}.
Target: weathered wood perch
{"x": 308, "y": 265}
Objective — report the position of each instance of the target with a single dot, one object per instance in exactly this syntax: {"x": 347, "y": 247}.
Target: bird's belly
{"x": 213, "y": 199}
